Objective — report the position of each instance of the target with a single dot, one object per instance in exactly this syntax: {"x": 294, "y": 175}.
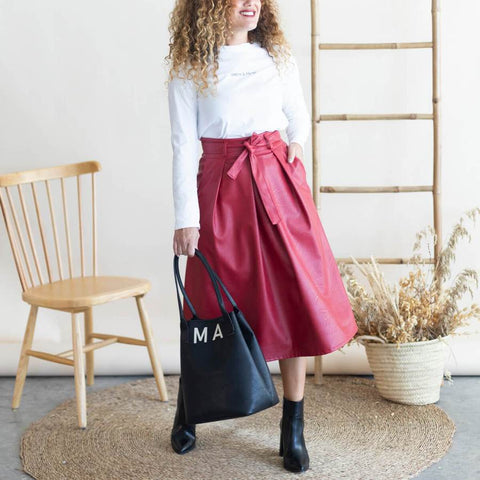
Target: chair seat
{"x": 81, "y": 292}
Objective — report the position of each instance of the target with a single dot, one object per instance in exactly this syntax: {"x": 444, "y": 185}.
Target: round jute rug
{"x": 350, "y": 432}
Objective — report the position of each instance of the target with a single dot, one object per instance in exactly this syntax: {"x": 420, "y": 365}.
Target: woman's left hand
{"x": 295, "y": 150}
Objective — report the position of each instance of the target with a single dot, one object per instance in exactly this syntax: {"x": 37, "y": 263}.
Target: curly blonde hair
{"x": 198, "y": 28}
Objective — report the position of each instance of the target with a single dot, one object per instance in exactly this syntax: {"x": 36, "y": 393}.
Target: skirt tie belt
{"x": 252, "y": 146}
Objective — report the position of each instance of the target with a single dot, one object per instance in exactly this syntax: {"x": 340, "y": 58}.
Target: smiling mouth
{"x": 247, "y": 13}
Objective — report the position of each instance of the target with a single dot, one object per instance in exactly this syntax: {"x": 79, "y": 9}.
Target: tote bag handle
{"x": 213, "y": 277}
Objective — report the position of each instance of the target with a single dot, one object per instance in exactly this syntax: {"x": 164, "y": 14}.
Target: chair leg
{"x": 152, "y": 351}
{"x": 79, "y": 371}
{"x": 89, "y": 356}
{"x": 23, "y": 361}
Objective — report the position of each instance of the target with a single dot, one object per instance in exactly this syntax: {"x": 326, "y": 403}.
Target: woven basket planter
{"x": 410, "y": 373}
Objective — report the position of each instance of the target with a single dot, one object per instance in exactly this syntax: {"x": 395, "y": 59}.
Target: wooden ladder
{"x": 317, "y": 118}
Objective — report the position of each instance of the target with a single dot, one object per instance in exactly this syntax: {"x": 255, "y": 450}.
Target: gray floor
{"x": 42, "y": 394}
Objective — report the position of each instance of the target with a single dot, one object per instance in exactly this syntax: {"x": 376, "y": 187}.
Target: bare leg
{"x": 293, "y": 372}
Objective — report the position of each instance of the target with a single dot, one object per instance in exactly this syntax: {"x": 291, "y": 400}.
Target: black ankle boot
{"x": 292, "y": 443}
{"x": 183, "y": 435}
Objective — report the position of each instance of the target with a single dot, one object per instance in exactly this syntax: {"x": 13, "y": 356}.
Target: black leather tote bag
{"x": 224, "y": 373}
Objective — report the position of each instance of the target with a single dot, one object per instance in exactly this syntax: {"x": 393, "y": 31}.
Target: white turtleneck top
{"x": 252, "y": 97}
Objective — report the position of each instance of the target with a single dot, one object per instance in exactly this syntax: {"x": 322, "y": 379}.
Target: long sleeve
{"x": 294, "y": 106}
{"x": 183, "y": 106}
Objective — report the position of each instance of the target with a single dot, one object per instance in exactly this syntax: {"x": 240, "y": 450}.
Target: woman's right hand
{"x": 185, "y": 241}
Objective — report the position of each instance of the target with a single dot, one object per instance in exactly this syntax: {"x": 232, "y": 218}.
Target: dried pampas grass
{"x": 420, "y": 307}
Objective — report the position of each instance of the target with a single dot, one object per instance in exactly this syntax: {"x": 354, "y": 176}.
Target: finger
{"x": 179, "y": 247}
{"x": 176, "y": 246}
{"x": 195, "y": 241}
{"x": 291, "y": 154}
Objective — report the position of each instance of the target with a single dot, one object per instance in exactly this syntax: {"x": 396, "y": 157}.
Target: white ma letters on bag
{"x": 203, "y": 336}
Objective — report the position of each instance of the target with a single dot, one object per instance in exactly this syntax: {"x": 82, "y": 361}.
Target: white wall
{"x": 84, "y": 80}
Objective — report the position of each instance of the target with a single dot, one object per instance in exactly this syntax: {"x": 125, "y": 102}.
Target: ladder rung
{"x": 376, "y": 116}
{"x": 369, "y": 46}
{"x": 375, "y": 189}
{"x": 384, "y": 260}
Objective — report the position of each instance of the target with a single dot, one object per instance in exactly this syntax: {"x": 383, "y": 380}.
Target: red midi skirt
{"x": 261, "y": 233}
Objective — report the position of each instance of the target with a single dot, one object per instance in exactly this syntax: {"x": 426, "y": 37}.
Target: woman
{"x": 246, "y": 204}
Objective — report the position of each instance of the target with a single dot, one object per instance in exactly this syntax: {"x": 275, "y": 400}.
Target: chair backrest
{"x": 19, "y": 208}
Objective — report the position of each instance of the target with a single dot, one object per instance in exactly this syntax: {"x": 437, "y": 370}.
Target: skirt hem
{"x": 298, "y": 353}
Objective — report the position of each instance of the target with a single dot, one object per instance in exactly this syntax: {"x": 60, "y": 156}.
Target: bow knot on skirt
{"x": 260, "y": 230}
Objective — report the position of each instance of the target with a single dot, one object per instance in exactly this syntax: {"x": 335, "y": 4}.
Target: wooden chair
{"x": 75, "y": 294}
